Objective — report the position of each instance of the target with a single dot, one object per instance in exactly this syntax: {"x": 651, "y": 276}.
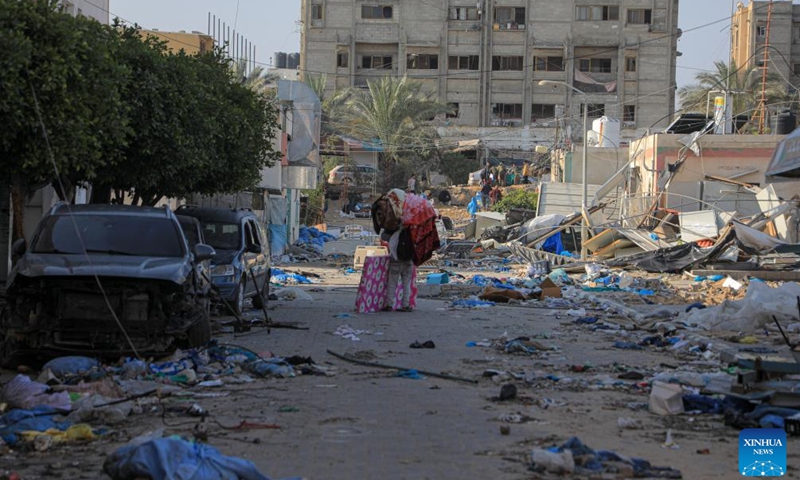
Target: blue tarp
{"x": 38, "y": 419}
{"x": 554, "y": 244}
{"x": 277, "y": 239}
{"x": 177, "y": 459}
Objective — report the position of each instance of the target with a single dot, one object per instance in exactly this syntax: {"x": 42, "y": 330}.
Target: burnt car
{"x": 105, "y": 280}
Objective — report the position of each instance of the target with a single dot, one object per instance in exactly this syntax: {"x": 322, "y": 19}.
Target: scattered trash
{"x": 22, "y": 392}
{"x": 666, "y": 399}
{"x": 411, "y": 374}
{"x": 669, "y": 442}
{"x": 426, "y": 344}
{"x": 177, "y": 458}
{"x": 350, "y": 333}
{"x": 628, "y": 423}
{"x": 292, "y": 293}
{"x": 508, "y": 392}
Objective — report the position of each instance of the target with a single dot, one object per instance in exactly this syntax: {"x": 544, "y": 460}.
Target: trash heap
{"x": 313, "y": 239}
{"x": 75, "y": 398}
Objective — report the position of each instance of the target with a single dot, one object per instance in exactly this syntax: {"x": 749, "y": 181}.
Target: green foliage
{"x": 68, "y": 65}
{"x": 396, "y": 112}
{"x": 457, "y": 167}
{"x": 517, "y": 198}
{"x": 746, "y": 82}
{"x": 123, "y": 114}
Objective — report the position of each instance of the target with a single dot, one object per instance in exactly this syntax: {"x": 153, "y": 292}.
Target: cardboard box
{"x": 550, "y": 289}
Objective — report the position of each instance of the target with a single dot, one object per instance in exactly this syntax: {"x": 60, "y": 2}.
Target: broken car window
{"x": 222, "y": 236}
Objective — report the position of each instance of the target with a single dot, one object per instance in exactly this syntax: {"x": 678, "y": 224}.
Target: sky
{"x": 271, "y": 25}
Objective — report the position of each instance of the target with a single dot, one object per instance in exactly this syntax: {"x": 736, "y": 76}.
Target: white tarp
{"x": 756, "y": 240}
{"x": 751, "y": 313}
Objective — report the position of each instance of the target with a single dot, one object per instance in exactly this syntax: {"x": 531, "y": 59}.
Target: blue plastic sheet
{"x": 470, "y": 303}
{"x": 313, "y": 238}
{"x": 176, "y": 459}
{"x": 70, "y": 366}
{"x": 38, "y": 419}
{"x": 277, "y": 239}
{"x": 553, "y": 244}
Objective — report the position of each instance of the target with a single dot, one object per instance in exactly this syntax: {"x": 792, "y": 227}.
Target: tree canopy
{"x": 745, "y": 83}
{"x": 121, "y": 113}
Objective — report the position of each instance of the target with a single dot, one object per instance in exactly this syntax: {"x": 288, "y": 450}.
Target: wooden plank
{"x": 602, "y": 239}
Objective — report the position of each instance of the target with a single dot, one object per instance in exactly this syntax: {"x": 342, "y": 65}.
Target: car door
{"x": 249, "y": 257}
{"x": 262, "y": 259}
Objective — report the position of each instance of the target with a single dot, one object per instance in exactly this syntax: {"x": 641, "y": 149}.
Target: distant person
{"x": 444, "y": 197}
{"x": 485, "y": 191}
{"x": 501, "y": 175}
{"x": 401, "y": 267}
{"x": 526, "y": 172}
{"x": 412, "y": 183}
{"x": 496, "y": 195}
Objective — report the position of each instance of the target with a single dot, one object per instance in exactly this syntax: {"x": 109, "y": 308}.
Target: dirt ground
{"x": 365, "y": 422}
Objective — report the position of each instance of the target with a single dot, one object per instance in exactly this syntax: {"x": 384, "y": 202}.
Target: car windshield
{"x": 111, "y": 234}
{"x": 221, "y": 235}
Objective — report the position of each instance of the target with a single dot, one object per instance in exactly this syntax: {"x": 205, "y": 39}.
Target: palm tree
{"x": 258, "y": 80}
{"x": 396, "y": 112}
{"x": 745, "y": 83}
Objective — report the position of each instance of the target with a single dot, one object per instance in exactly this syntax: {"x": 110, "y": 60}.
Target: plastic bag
{"x": 70, "y": 366}
{"x": 176, "y": 459}
{"x": 554, "y": 462}
{"x": 22, "y": 392}
{"x": 666, "y": 399}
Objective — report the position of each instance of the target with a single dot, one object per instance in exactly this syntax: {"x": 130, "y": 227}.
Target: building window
{"x": 422, "y": 61}
{"x": 506, "y": 63}
{"x": 316, "y": 12}
{"x": 630, "y": 64}
{"x": 595, "y": 109}
{"x": 376, "y": 62}
{"x": 542, "y": 110}
{"x": 505, "y": 15}
{"x": 548, "y": 64}
{"x": 452, "y": 110}
{"x": 595, "y": 65}
{"x": 376, "y": 11}
{"x": 761, "y": 31}
{"x": 597, "y": 13}
{"x": 640, "y": 16}
{"x": 463, "y": 62}
{"x": 629, "y": 113}
{"x": 510, "y": 111}
{"x": 464, "y": 13}
{"x": 342, "y": 59}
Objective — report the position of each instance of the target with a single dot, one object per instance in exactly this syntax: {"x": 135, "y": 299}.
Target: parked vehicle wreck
{"x": 105, "y": 280}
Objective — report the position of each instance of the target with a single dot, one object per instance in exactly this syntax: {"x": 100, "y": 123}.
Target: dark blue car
{"x": 242, "y": 253}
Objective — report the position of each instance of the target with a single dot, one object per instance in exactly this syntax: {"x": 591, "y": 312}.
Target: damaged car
{"x": 105, "y": 280}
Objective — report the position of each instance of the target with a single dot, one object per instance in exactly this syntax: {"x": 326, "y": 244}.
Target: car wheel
{"x": 264, "y": 292}
{"x": 199, "y": 334}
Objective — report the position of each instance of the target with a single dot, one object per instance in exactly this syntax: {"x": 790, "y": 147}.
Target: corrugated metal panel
{"x": 563, "y": 198}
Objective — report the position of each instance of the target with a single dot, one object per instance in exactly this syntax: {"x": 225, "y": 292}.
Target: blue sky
{"x": 271, "y": 25}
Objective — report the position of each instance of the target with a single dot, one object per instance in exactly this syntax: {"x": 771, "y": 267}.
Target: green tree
{"x": 58, "y": 75}
{"x": 744, "y": 82}
{"x": 198, "y": 129}
{"x": 396, "y": 112}
{"x": 517, "y": 198}
{"x": 258, "y": 79}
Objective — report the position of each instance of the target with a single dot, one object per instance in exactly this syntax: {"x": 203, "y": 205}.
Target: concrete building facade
{"x": 487, "y": 57}
{"x": 190, "y": 42}
{"x": 749, "y": 36}
{"x": 97, "y": 9}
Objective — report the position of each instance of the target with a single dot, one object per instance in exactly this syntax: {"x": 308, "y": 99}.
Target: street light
{"x": 584, "y": 226}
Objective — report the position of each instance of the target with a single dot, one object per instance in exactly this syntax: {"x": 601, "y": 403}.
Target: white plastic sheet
{"x": 751, "y": 313}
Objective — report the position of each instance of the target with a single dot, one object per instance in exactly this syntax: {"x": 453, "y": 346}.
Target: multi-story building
{"x": 97, "y": 9}
{"x": 487, "y": 57}
{"x": 749, "y": 37}
{"x": 190, "y": 42}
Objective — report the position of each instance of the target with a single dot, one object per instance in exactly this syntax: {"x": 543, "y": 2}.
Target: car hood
{"x": 33, "y": 265}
